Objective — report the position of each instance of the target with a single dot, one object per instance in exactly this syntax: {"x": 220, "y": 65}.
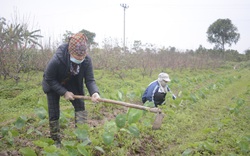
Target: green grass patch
{"x": 209, "y": 117}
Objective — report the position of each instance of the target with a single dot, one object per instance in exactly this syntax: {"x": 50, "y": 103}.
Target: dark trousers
{"x": 54, "y": 108}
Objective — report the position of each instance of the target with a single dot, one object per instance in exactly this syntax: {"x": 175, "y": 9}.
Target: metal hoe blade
{"x": 158, "y": 121}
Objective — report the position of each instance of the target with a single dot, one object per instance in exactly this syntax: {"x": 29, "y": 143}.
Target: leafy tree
{"x": 16, "y": 42}
{"x": 90, "y": 35}
{"x": 222, "y": 32}
{"x": 66, "y": 36}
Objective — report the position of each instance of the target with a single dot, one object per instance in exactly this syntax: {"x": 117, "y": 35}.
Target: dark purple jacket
{"x": 57, "y": 78}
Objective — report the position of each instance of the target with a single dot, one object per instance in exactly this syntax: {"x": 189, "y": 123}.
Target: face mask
{"x": 72, "y": 59}
{"x": 163, "y": 83}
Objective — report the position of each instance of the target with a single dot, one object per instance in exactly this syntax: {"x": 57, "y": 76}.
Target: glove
{"x": 69, "y": 96}
{"x": 168, "y": 89}
{"x": 95, "y": 97}
{"x": 173, "y": 97}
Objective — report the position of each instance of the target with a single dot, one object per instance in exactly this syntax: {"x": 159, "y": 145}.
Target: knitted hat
{"x": 78, "y": 46}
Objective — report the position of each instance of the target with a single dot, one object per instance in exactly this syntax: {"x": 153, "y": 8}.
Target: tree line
{"x": 21, "y": 54}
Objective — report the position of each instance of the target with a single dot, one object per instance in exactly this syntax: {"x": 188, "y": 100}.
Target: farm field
{"x": 209, "y": 117}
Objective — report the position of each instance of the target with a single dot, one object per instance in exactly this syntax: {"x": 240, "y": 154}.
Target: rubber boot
{"x": 55, "y": 132}
{"x": 81, "y": 118}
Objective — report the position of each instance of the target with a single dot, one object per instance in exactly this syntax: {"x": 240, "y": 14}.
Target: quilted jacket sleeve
{"x": 51, "y": 78}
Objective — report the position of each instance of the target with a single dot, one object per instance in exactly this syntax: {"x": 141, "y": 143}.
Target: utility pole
{"x": 125, "y": 6}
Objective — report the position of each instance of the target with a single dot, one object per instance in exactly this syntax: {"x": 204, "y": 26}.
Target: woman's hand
{"x": 95, "y": 97}
{"x": 69, "y": 96}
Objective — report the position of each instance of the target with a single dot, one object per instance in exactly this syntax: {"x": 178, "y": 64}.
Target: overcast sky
{"x": 176, "y": 23}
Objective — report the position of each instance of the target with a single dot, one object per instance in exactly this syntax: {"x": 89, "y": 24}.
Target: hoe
{"x": 159, "y": 115}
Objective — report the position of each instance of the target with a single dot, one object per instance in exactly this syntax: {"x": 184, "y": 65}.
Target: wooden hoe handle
{"x": 154, "y": 110}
